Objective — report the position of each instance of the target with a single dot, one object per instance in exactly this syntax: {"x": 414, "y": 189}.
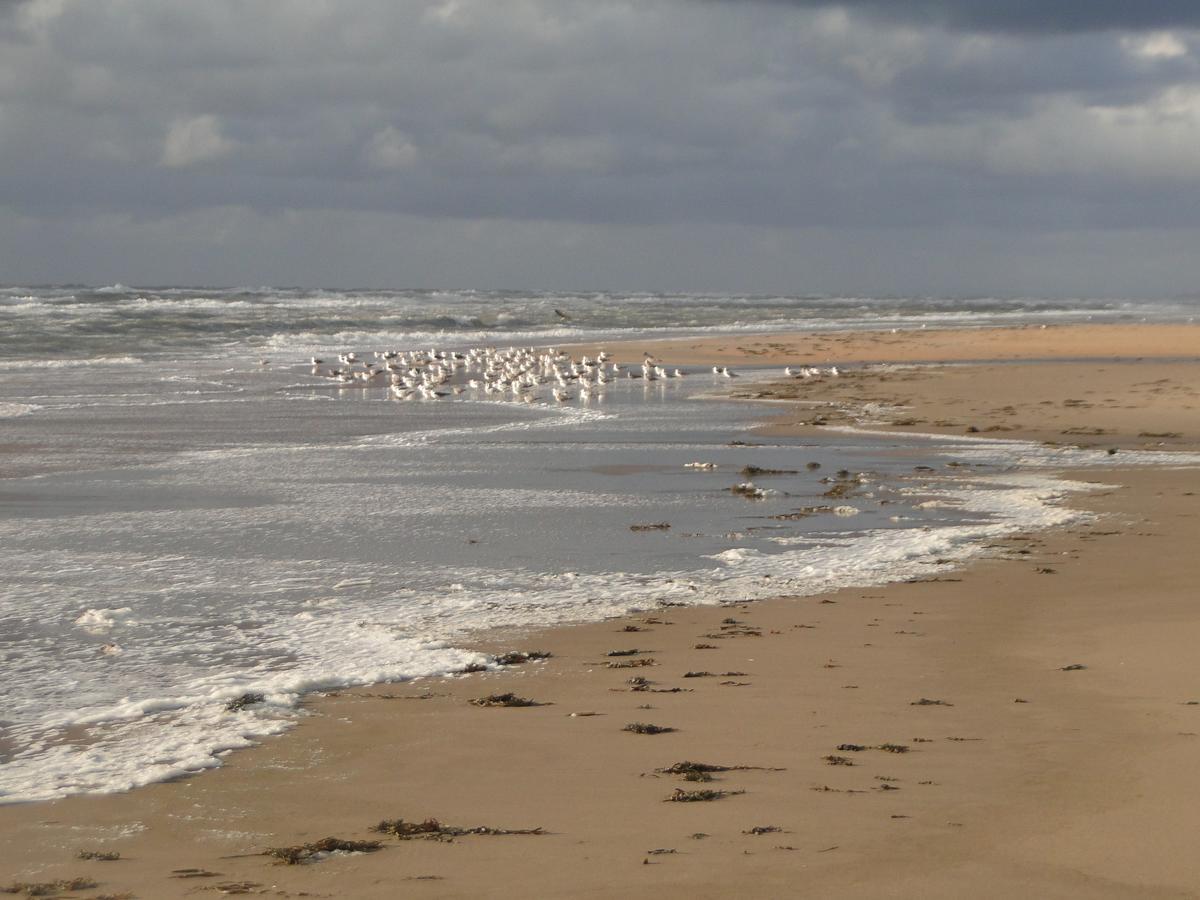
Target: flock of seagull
{"x": 519, "y": 373}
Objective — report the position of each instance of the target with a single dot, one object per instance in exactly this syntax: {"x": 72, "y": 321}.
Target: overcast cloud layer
{"x": 916, "y": 146}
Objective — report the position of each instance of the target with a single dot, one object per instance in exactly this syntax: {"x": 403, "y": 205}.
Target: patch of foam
{"x": 70, "y": 363}
{"x": 99, "y": 621}
{"x": 12, "y": 410}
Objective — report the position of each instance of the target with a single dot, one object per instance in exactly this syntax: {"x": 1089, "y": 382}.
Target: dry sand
{"x": 1027, "y": 780}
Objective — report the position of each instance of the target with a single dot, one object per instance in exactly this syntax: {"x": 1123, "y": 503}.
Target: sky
{"x": 871, "y": 147}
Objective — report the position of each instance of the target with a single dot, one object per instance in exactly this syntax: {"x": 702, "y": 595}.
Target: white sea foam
{"x": 98, "y": 621}
{"x": 12, "y": 410}
{"x": 42, "y": 363}
{"x": 349, "y": 643}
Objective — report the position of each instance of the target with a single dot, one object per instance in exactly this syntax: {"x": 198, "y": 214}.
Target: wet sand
{"x": 1021, "y": 776}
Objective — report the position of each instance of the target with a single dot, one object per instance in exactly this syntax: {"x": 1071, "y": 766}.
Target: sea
{"x": 191, "y": 513}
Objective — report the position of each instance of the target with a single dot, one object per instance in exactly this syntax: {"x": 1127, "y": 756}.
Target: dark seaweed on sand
{"x": 515, "y": 658}
{"x": 508, "y": 699}
{"x": 433, "y": 830}
{"x": 302, "y": 853}
{"x": 679, "y": 795}
{"x": 687, "y": 768}
{"x": 48, "y": 888}
{"x": 647, "y": 728}
{"x": 633, "y": 663}
{"x": 101, "y": 855}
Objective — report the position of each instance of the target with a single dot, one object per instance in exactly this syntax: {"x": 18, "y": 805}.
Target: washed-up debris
{"x": 691, "y": 770}
{"x": 237, "y": 887}
{"x": 434, "y": 830}
{"x": 303, "y": 853}
{"x": 826, "y": 789}
{"x": 515, "y": 658}
{"x": 101, "y": 855}
{"x": 633, "y": 663}
{"x": 661, "y": 851}
{"x": 893, "y": 748}
{"x": 925, "y": 701}
{"x": 764, "y": 829}
{"x": 1074, "y": 667}
{"x": 697, "y": 674}
{"x": 507, "y": 699}
{"x": 752, "y": 471}
{"x": 834, "y": 760}
{"x": 237, "y": 704}
{"x": 651, "y": 526}
{"x": 634, "y": 652}
{"x": 49, "y": 888}
{"x": 647, "y": 728}
{"x": 852, "y": 748}
{"x": 194, "y": 873}
{"x": 679, "y": 795}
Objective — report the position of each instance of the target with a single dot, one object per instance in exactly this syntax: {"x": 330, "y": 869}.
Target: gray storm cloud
{"x": 558, "y": 142}
{"x": 1025, "y": 16}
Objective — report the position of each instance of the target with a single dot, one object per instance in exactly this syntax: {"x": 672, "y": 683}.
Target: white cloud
{"x": 1155, "y": 46}
{"x": 195, "y": 140}
{"x": 391, "y": 149}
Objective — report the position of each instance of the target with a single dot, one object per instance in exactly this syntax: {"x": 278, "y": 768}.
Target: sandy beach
{"x": 1024, "y": 726}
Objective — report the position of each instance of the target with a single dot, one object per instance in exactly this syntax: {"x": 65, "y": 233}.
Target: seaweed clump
{"x": 304, "y": 853}
{"x": 647, "y": 728}
{"x": 764, "y": 829}
{"x": 516, "y": 657}
{"x": 679, "y": 795}
{"x": 237, "y": 704}
{"x": 434, "y": 830}
{"x": 101, "y": 855}
{"x": 508, "y": 699}
{"x": 49, "y": 888}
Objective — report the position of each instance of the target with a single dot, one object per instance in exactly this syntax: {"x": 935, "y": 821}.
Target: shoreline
{"x": 593, "y": 788}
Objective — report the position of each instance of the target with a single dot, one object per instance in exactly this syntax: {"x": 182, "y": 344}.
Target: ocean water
{"x": 181, "y": 524}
